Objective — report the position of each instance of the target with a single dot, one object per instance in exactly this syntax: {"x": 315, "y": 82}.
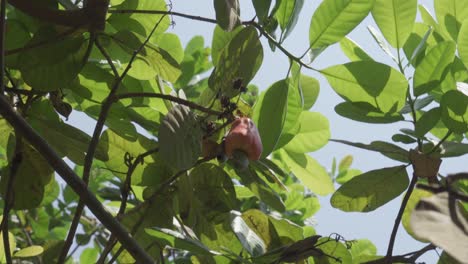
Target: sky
{"x": 376, "y": 225}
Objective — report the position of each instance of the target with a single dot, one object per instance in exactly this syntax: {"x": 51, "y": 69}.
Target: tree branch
{"x": 170, "y": 98}
{"x": 70, "y": 177}
{"x": 210, "y": 20}
{"x": 391, "y": 243}
{"x": 405, "y": 258}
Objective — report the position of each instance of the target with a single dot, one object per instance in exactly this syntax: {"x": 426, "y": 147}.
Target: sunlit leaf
{"x": 307, "y": 170}
{"x": 313, "y": 134}
{"x": 433, "y": 67}
{"x": 371, "y": 190}
{"x": 463, "y": 43}
{"x": 28, "y": 252}
{"x": 367, "y": 81}
{"x": 395, "y": 19}
{"x": 364, "y": 112}
{"x": 287, "y": 15}
{"x": 249, "y": 239}
{"x": 450, "y": 14}
{"x": 334, "y": 19}
{"x": 50, "y": 67}
{"x": 352, "y": 50}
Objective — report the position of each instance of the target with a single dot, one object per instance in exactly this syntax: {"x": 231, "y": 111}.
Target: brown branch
{"x": 405, "y": 258}
{"x": 70, "y": 177}
{"x": 169, "y": 98}
{"x": 391, "y": 243}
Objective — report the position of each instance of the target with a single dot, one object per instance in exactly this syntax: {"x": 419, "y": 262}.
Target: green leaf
{"x": 50, "y": 67}
{"x": 260, "y": 223}
{"x": 395, "y": 19}
{"x": 270, "y": 113}
{"x": 28, "y": 252}
{"x": 221, "y": 196}
{"x": 450, "y": 14}
{"x": 89, "y": 255}
{"x": 453, "y": 149}
{"x": 32, "y": 175}
{"x": 249, "y": 239}
{"x": 381, "y": 42}
{"x": 414, "y": 199}
{"x": 345, "y": 163}
{"x": 333, "y": 20}
{"x": 347, "y": 175}
{"x": 353, "y": 51}
{"x": 287, "y": 15}
{"x": 240, "y": 60}
{"x": 362, "y": 247}
{"x": 313, "y": 134}
{"x": 307, "y": 170}
{"x": 364, "y": 112}
{"x": 387, "y": 149}
{"x": 433, "y": 67}
{"x": 261, "y": 190}
{"x": 12, "y": 241}
{"x": 294, "y": 106}
{"x": 454, "y": 106}
{"x": 175, "y": 239}
{"x": 117, "y": 148}
{"x": 227, "y": 13}
{"x": 16, "y": 36}
{"x": 427, "y": 121}
{"x": 463, "y": 43}
{"x": 419, "y": 40}
{"x": 171, "y": 44}
{"x": 261, "y": 8}
{"x": 310, "y": 88}
{"x": 220, "y": 42}
{"x": 180, "y": 138}
{"x": 333, "y": 248}
{"x": 141, "y": 24}
{"x": 370, "y": 190}
{"x": 367, "y": 81}
{"x": 151, "y": 61}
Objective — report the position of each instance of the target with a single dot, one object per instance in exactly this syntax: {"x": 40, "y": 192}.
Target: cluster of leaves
{"x": 158, "y": 101}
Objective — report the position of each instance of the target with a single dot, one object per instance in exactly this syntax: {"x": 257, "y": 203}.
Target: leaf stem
{"x": 391, "y": 243}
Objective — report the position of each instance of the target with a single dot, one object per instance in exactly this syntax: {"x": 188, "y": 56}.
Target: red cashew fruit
{"x": 243, "y": 137}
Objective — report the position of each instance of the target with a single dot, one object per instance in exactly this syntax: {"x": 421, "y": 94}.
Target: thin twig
{"x": 169, "y": 98}
{"x": 391, "y": 243}
{"x": 210, "y": 20}
{"x": 105, "y": 108}
{"x": 86, "y": 172}
{"x": 123, "y": 205}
